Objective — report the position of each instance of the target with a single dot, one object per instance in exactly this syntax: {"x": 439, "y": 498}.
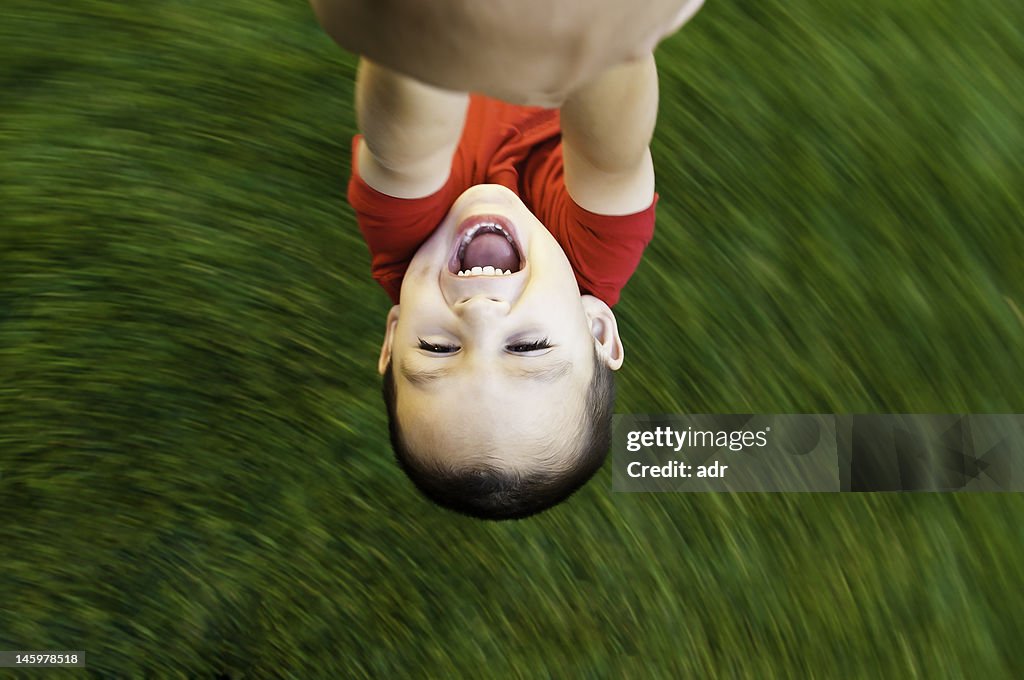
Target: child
{"x": 503, "y": 234}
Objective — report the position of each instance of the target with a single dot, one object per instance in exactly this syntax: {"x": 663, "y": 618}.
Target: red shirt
{"x": 520, "y": 148}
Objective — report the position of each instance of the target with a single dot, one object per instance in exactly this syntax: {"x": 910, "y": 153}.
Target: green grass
{"x": 194, "y": 474}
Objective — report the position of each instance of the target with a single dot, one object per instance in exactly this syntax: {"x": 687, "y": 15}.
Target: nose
{"x": 481, "y": 307}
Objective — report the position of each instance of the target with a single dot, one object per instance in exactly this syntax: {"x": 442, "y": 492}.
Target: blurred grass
{"x": 194, "y": 474}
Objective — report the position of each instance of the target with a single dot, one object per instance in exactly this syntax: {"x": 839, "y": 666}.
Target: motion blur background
{"x": 194, "y": 472}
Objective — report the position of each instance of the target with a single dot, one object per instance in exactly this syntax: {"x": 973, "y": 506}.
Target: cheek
{"x": 425, "y": 264}
{"x": 416, "y": 273}
{"x": 554, "y": 263}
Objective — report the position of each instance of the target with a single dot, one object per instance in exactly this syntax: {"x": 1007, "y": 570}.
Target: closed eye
{"x": 436, "y": 348}
{"x": 524, "y": 347}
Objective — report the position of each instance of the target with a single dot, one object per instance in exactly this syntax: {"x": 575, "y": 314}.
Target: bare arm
{"x": 607, "y": 127}
{"x": 410, "y": 131}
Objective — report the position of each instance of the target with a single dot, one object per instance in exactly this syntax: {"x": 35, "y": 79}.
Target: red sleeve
{"x": 604, "y": 250}
{"x": 395, "y": 228}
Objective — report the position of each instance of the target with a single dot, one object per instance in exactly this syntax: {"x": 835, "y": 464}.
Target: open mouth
{"x": 486, "y": 247}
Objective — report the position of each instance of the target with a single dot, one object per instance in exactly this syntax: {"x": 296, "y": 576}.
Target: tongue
{"x": 490, "y": 249}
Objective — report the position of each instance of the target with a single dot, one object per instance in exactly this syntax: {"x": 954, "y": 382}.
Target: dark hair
{"x": 489, "y": 492}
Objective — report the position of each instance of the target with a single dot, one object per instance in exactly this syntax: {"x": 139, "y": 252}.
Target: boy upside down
{"x": 503, "y": 235}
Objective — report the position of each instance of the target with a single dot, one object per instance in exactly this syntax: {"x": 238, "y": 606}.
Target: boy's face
{"x": 494, "y": 368}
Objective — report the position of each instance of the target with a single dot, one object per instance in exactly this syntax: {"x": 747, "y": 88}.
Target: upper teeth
{"x": 488, "y": 270}
{"x": 484, "y": 271}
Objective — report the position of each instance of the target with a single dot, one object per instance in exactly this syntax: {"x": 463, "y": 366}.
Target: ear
{"x": 605, "y": 331}
{"x": 389, "y": 338}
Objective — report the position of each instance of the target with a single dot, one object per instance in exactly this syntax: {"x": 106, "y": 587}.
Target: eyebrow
{"x": 548, "y": 374}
